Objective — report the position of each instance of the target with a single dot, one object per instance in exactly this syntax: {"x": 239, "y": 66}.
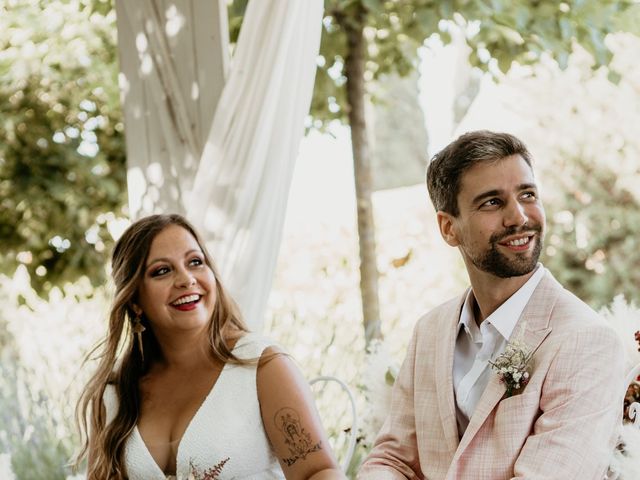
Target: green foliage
{"x": 41, "y": 350}
{"x": 33, "y": 430}
{"x": 499, "y": 32}
{"x": 62, "y": 158}
{"x": 236, "y": 11}
{"x": 592, "y": 243}
{"x": 523, "y": 31}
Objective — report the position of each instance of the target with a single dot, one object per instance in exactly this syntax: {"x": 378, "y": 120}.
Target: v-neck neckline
{"x": 241, "y": 341}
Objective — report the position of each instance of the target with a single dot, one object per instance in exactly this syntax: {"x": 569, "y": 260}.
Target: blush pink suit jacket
{"x": 562, "y": 425}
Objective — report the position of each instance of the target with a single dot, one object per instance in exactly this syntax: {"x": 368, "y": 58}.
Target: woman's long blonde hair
{"x": 120, "y": 360}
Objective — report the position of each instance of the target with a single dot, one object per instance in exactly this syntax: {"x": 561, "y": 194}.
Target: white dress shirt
{"x": 475, "y": 346}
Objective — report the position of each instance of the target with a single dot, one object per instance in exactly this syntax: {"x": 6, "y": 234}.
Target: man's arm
{"x": 395, "y": 451}
{"x": 581, "y": 401}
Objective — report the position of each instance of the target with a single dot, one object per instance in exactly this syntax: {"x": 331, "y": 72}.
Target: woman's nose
{"x": 185, "y": 279}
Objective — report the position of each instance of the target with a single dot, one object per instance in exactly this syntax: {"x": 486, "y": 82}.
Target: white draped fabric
{"x": 241, "y": 188}
{"x": 229, "y": 175}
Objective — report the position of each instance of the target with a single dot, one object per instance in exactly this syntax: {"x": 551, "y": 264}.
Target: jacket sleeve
{"x": 581, "y": 404}
{"x": 395, "y": 452}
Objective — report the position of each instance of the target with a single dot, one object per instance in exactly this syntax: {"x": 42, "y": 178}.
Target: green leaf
{"x": 566, "y": 31}
{"x": 373, "y": 6}
{"x": 562, "y": 57}
{"x": 446, "y": 9}
{"x": 510, "y": 34}
{"x": 390, "y": 376}
{"x": 614, "y": 77}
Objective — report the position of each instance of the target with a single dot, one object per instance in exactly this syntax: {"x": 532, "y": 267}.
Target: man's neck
{"x": 490, "y": 291}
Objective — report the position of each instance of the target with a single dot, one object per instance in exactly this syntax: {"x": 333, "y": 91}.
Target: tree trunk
{"x": 354, "y": 70}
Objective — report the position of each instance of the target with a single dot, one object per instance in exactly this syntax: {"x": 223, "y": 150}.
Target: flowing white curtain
{"x": 231, "y": 175}
{"x": 242, "y": 184}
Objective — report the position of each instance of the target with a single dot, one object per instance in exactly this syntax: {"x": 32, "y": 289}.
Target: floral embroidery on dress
{"x": 196, "y": 473}
{"x": 209, "y": 474}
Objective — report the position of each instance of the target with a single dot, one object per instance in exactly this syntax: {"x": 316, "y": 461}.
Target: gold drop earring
{"x": 137, "y": 329}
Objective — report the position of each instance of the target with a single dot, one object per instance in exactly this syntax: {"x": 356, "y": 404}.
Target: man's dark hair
{"x": 447, "y": 166}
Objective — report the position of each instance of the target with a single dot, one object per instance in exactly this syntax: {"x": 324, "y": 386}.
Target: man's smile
{"x": 520, "y": 243}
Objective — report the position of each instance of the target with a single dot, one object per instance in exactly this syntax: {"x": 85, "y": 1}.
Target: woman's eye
{"x": 196, "y": 261}
{"x": 159, "y": 271}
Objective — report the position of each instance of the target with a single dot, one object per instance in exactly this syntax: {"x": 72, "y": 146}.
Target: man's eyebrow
{"x": 490, "y": 193}
{"x": 496, "y": 192}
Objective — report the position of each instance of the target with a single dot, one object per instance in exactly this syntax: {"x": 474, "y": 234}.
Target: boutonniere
{"x": 512, "y": 366}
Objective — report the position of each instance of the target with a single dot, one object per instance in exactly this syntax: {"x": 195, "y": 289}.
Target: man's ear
{"x": 446, "y": 224}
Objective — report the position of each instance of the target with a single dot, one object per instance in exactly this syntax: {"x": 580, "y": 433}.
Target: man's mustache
{"x": 498, "y": 237}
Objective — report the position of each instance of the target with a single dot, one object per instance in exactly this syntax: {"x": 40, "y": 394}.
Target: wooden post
{"x": 174, "y": 57}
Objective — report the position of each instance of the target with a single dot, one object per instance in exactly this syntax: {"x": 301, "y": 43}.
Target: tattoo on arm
{"x": 296, "y": 438}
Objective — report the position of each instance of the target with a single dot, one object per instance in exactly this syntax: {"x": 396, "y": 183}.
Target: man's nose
{"x": 515, "y": 215}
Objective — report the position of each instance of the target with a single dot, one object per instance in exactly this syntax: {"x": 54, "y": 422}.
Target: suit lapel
{"x": 447, "y": 323}
{"x": 532, "y": 328}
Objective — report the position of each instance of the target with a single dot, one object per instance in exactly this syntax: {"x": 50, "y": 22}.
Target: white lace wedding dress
{"x": 225, "y": 439}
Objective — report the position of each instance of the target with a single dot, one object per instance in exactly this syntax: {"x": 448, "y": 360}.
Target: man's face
{"x": 500, "y": 227}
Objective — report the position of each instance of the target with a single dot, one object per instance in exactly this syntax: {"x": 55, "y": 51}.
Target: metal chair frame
{"x": 354, "y": 417}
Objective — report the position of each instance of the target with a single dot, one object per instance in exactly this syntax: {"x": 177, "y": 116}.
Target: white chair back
{"x": 353, "y": 431}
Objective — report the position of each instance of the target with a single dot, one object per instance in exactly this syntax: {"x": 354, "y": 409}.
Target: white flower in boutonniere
{"x": 512, "y": 366}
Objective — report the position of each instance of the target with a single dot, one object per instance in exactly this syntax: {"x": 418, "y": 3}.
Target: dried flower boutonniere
{"x": 512, "y": 366}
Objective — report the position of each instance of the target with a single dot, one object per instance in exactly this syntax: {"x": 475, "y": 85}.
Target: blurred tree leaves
{"x": 592, "y": 242}
{"x": 499, "y": 33}
{"x": 583, "y": 132}
{"x": 62, "y": 157}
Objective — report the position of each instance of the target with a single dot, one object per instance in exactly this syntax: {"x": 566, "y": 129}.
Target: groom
{"x": 453, "y": 415}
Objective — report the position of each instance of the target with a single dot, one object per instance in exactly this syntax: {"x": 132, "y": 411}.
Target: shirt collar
{"x": 467, "y": 318}
{"x": 506, "y": 316}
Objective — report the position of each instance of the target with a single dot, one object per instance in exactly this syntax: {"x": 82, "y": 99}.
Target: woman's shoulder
{"x": 252, "y": 345}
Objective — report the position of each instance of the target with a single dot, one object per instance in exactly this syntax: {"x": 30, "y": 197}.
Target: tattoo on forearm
{"x": 296, "y": 438}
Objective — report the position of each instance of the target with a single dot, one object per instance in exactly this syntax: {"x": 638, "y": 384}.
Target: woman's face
{"x": 178, "y": 289}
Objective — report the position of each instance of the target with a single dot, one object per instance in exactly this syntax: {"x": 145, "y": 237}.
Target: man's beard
{"x": 496, "y": 263}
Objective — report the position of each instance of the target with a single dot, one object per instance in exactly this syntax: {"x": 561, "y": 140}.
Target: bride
{"x": 183, "y": 389}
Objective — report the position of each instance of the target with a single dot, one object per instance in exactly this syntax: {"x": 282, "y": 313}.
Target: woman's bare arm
{"x": 292, "y": 422}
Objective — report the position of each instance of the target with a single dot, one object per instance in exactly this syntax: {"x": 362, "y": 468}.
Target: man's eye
{"x": 492, "y": 202}
{"x": 159, "y": 271}
{"x": 530, "y": 195}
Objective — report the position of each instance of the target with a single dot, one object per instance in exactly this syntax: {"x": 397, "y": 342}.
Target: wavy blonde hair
{"x": 120, "y": 359}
